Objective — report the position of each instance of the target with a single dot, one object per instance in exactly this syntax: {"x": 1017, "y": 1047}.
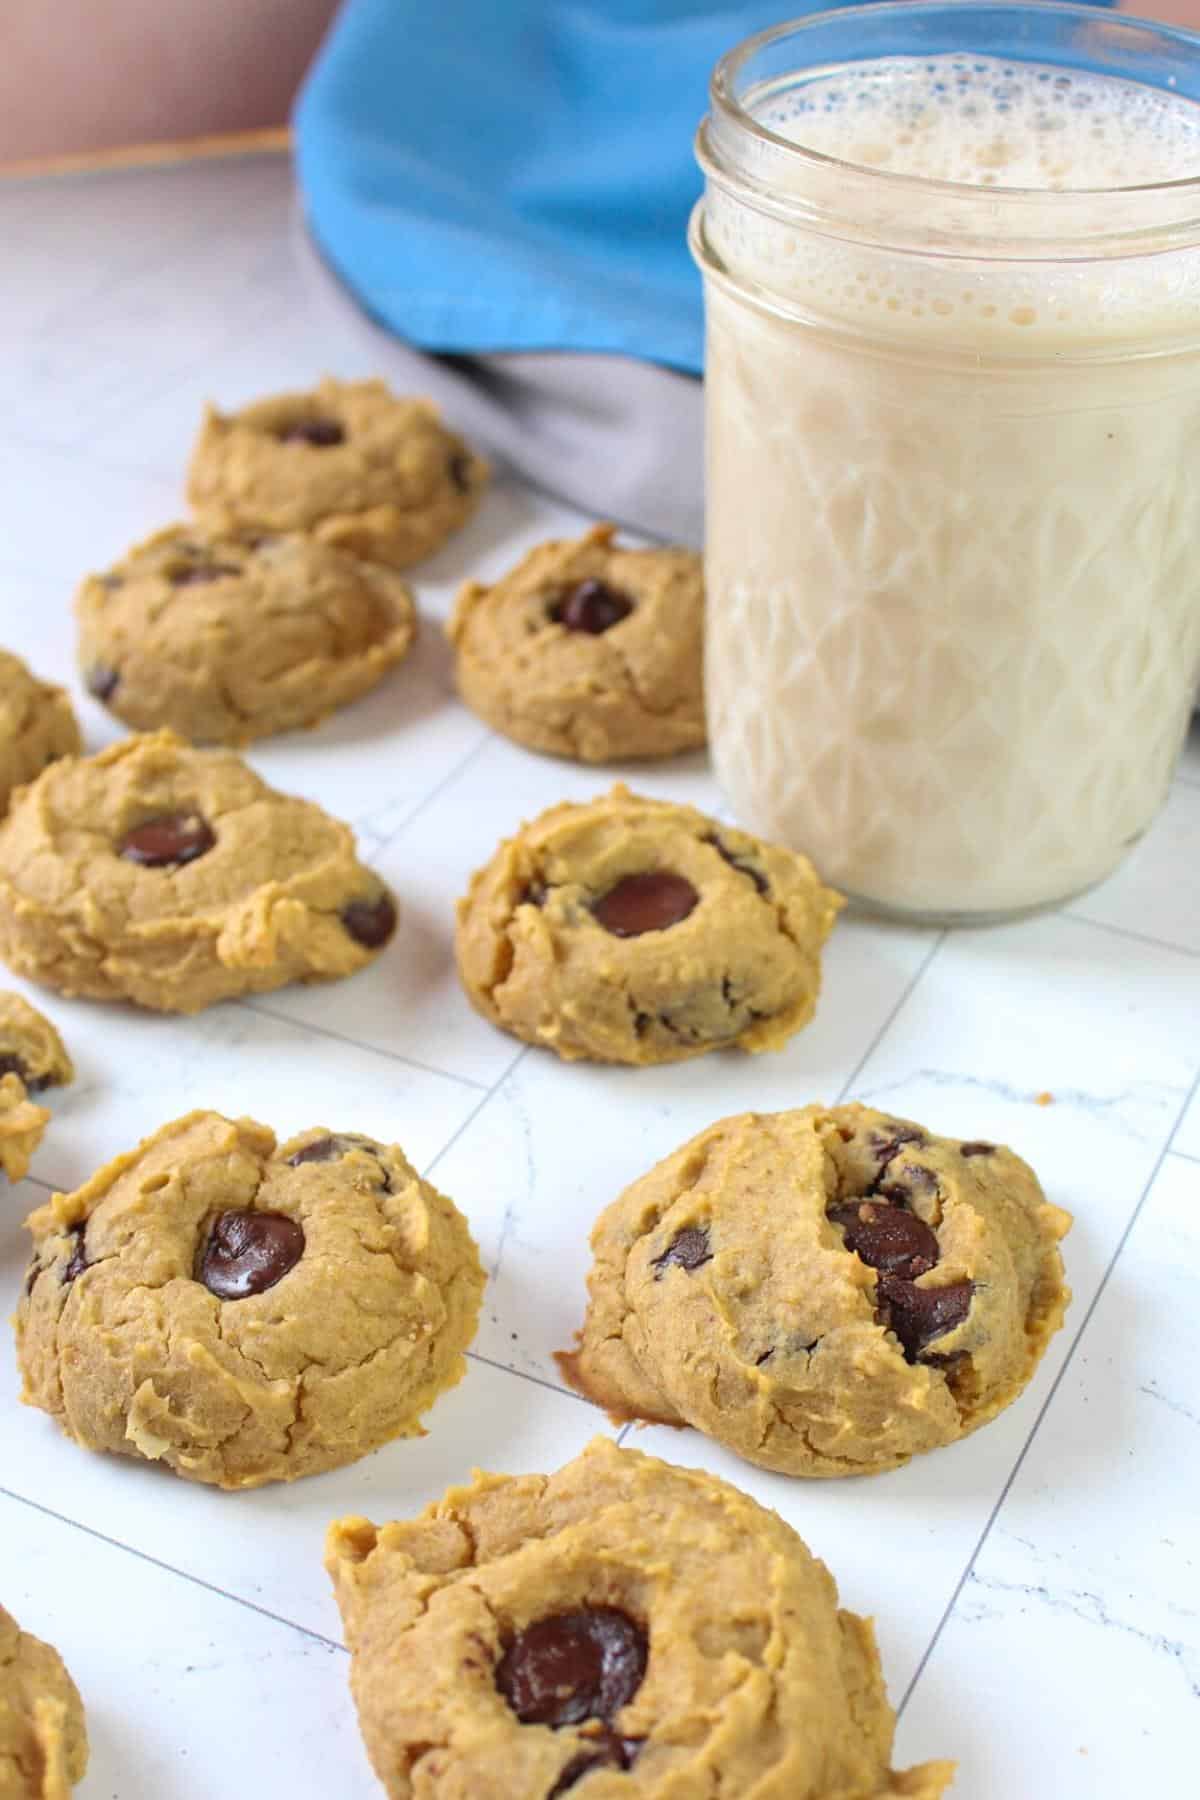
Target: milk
{"x": 953, "y": 553}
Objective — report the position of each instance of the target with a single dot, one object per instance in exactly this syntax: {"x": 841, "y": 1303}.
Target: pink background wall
{"x": 89, "y": 74}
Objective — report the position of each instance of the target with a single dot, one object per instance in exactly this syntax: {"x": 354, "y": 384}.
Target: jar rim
{"x": 727, "y": 107}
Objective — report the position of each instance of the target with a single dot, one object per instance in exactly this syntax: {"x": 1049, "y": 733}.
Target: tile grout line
{"x": 1050, "y": 1397}
{"x": 1124, "y": 931}
{"x": 551, "y": 1387}
{"x": 903, "y": 1000}
{"x": 451, "y": 776}
{"x": 1186, "y": 1156}
{"x": 340, "y": 1037}
{"x": 170, "y": 1569}
{"x": 475, "y": 1111}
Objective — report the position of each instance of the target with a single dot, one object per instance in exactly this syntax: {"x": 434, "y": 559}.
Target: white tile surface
{"x": 1074, "y": 1646}
{"x": 126, "y": 302}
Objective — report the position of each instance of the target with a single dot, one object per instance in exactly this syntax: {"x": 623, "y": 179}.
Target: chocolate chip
{"x": 77, "y": 1262}
{"x": 887, "y": 1145}
{"x": 12, "y": 1064}
{"x": 248, "y": 1252}
{"x": 167, "y": 840}
{"x": 918, "y": 1315}
{"x": 196, "y": 574}
{"x": 912, "y": 1179}
{"x": 335, "y": 1146}
{"x": 322, "y": 434}
{"x": 641, "y": 1024}
{"x": 653, "y": 901}
{"x": 591, "y": 606}
{"x": 736, "y": 862}
{"x": 573, "y": 1666}
{"x": 611, "y": 1752}
{"x": 102, "y": 683}
{"x": 688, "y": 1249}
{"x": 459, "y": 468}
{"x": 887, "y": 1237}
{"x": 370, "y": 922}
{"x": 977, "y": 1149}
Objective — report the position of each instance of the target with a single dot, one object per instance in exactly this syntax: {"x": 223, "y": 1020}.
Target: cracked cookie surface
{"x": 629, "y": 930}
{"x": 37, "y": 725}
{"x": 175, "y": 877}
{"x": 32, "y": 1057}
{"x": 243, "y": 1311}
{"x": 828, "y": 1291}
{"x": 349, "y": 462}
{"x": 225, "y": 640}
{"x": 621, "y": 1627}
{"x": 588, "y": 651}
{"x": 43, "y": 1739}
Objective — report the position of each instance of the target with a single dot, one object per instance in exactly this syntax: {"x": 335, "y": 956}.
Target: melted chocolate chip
{"x": 12, "y": 1064}
{"x": 886, "y": 1146}
{"x": 573, "y": 1666}
{"x": 591, "y": 606}
{"x": 196, "y": 574}
{"x": 887, "y": 1237}
{"x": 370, "y": 922}
{"x": 248, "y": 1252}
{"x": 322, "y": 434}
{"x": 735, "y": 862}
{"x": 77, "y": 1262}
{"x": 102, "y": 683}
{"x": 918, "y": 1315}
{"x": 688, "y": 1249}
{"x": 912, "y": 1179}
{"x": 653, "y": 901}
{"x": 167, "y": 840}
{"x": 977, "y": 1149}
{"x": 611, "y": 1752}
{"x": 459, "y": 468}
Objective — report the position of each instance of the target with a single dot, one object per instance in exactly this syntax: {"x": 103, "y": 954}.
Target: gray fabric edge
{"x": 617, "y": 438}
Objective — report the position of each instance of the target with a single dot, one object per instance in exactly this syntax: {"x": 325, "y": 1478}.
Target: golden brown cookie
{"x": 828, "y": 1291}
{"x": 588, "y": 651}
{"x": 226, "y": 640}
{"x": 244, "y": 1312}
{"x": 43, "y": 1739}
{"x": 32, "y": 1057}
{"x": 351, "y": 463}
{"x": 175, "y": 877}
{"x": 637, "y": 931}
{"x": 623, "y": 1627}
{"x": 37, "y": 725}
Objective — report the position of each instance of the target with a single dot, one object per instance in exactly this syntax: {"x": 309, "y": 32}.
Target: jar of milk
{"x": 952, "y": 272}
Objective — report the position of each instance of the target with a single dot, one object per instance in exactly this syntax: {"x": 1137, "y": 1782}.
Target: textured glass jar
{"x": 953, "y": 541}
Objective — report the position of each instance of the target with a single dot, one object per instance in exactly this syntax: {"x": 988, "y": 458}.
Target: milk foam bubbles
{"x": 954, "y": 508}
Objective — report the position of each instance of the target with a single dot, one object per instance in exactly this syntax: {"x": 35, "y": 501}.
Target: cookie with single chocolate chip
{"x": 175, "y": 877}
{"x": 37, "y": 725}
{"x": 32, "y": 1057}
{"x": 226, "y": 639}
{"x": 43, "y": 1738}
{"x": 350, "y": 463}
{"x": 588, "y": 650}
{"x": 245, "y": 1312}
{"x": 638, "y": 931}
{"x": 828, "y": 1291}
{"x": 621, "y": 1627}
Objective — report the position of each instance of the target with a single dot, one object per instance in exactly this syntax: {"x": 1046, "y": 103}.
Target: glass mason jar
{"x": 953, "y": 419}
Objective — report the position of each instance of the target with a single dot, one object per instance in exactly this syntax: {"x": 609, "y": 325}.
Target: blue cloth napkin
{"x": 517, "y": 174}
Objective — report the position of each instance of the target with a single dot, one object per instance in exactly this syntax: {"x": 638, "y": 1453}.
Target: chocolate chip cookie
{"x": 32, "y": 1057}
{"x": 226, "y": 640}
{"x": 43, "y": 1739}
{"x": 587, "y": 650}
{"x": 621, "y": 1627}
{"x": 244, "y": 1312}
{"x": 637, "y": 931}
{"x": 349, "y": 462}
{"x": 175, "y": 877}
{"x": 37, "y": 725}
{"x": 828, "y": 1291}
